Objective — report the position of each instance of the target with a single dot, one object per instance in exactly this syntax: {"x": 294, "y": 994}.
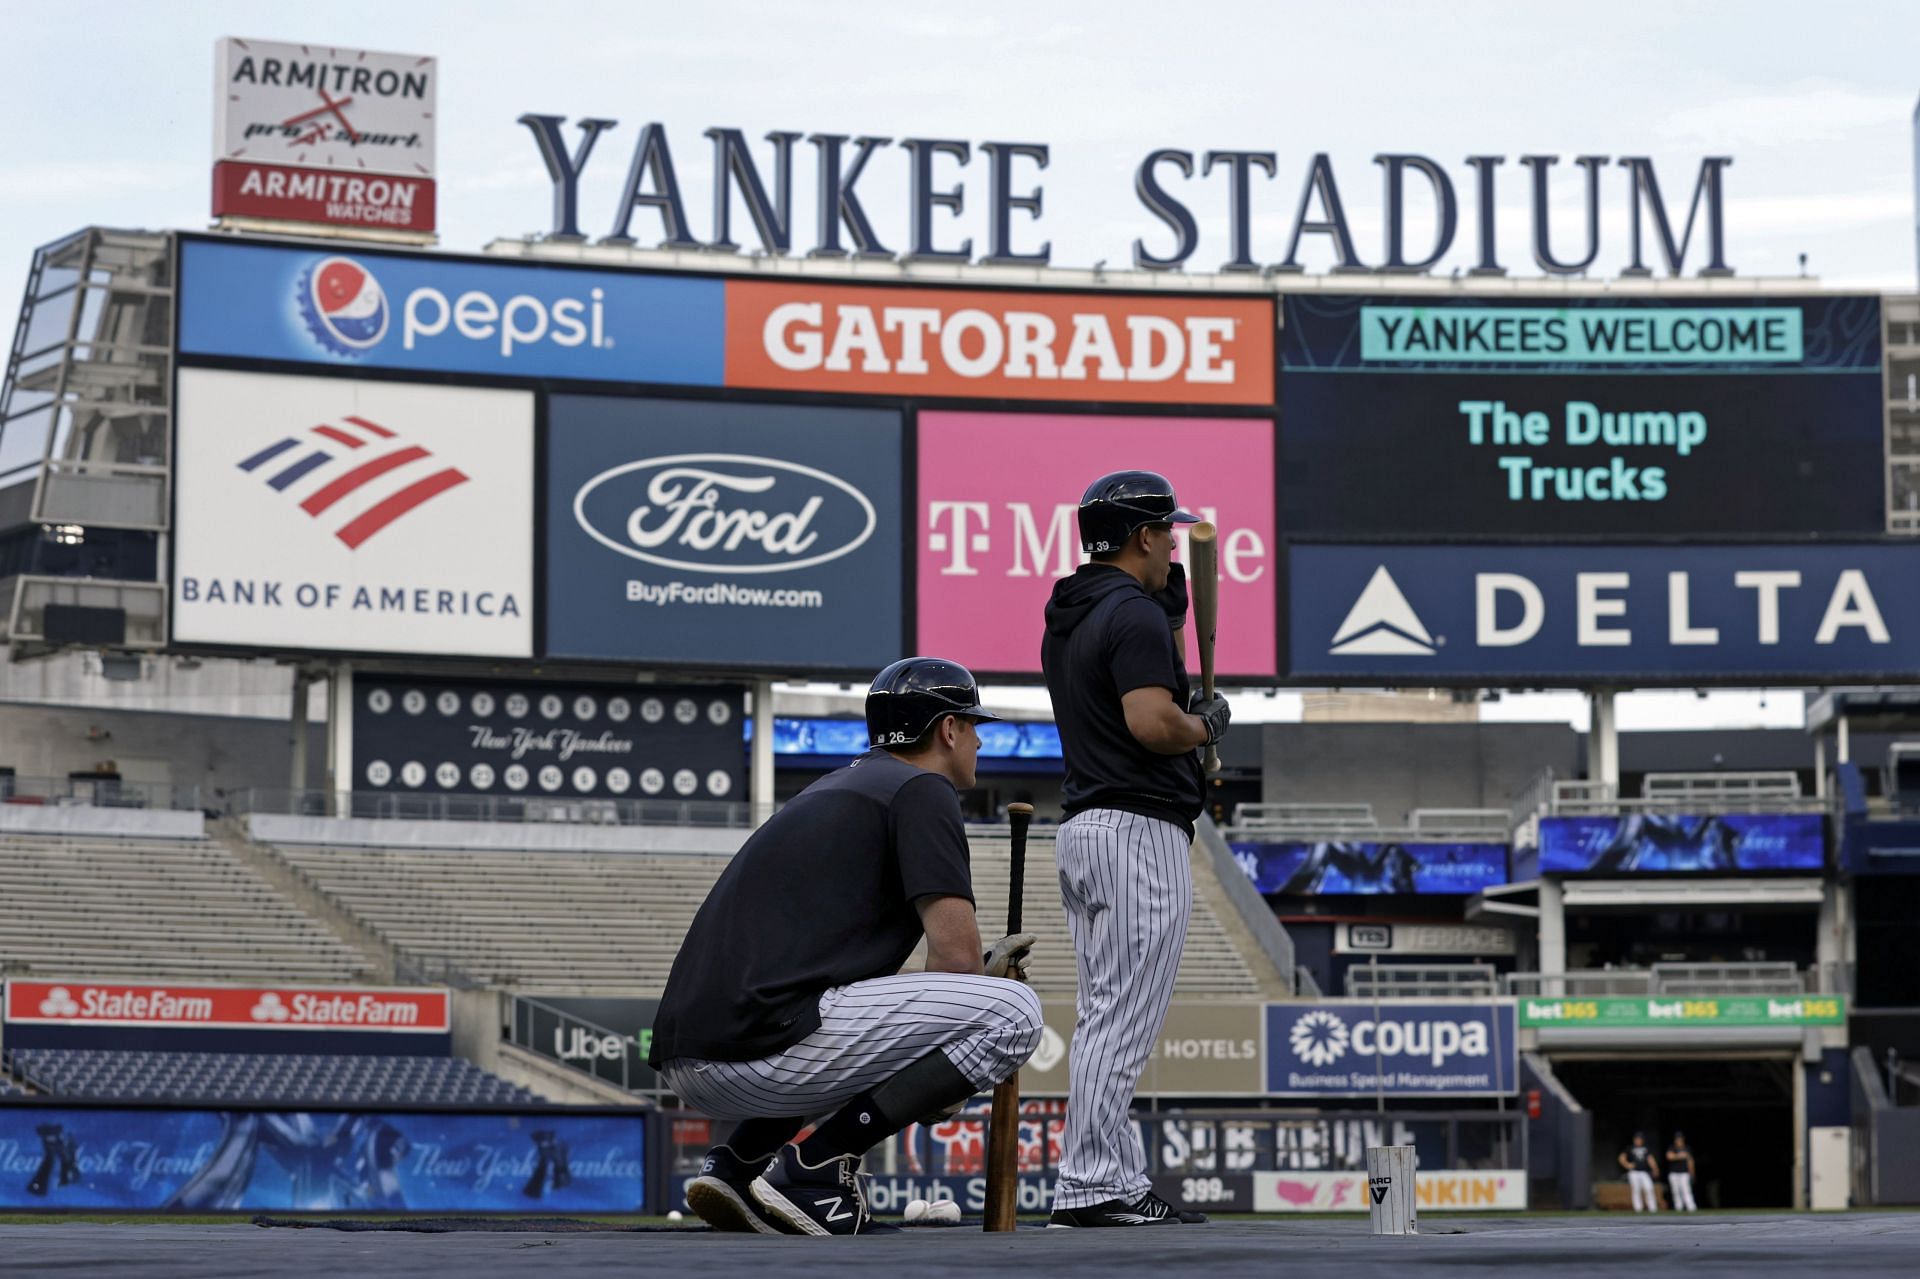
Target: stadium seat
{"x": 292, "y": 1079}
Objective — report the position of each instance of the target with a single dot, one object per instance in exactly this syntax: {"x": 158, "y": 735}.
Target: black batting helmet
{"x": 907, "y": 698}
{"x": 1115, "y": 505}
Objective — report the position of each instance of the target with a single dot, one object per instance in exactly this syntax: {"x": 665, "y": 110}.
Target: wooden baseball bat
{"x": 1003, "y": 1130}
{"x": 1203, "y": 582}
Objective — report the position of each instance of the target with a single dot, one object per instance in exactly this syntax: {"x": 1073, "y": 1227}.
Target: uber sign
{"x": 1575, "y": 614}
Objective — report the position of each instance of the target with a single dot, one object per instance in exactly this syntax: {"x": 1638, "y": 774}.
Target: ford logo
{"x": 724, "y": 513}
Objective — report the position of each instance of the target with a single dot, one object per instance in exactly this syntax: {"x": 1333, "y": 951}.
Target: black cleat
{"x": 722, "y": 1195}
{"x": 822, "y": 1199}
{"x": 1148, "y": 1210}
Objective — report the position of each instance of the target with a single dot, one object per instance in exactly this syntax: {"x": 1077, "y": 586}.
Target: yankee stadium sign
{"x": 1167, "y": 182}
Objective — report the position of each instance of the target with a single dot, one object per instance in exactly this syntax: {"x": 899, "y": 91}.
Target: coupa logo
{"x": 724, "y": 513}
{"x": 1320, "y": 1038}
{"x": 344, "y": 306}
{"x": 354, "y": 474}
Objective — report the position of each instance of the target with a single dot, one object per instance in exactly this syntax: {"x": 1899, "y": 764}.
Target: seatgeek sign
{"x": 1505, "y": 614}
{"x": 1359, "y": 1048}
{"x": 405, "y": 1010}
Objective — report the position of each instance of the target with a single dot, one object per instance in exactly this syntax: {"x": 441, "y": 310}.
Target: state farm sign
{"x": 978, "y": 344}
{"x": 414, "y": 1010}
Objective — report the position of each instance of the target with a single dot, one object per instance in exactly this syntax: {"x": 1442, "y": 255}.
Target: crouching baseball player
{"x": 786, "y": 1001}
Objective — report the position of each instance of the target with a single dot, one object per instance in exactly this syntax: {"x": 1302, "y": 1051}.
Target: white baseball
{"x": 674, "y": 1215}
{"x": 946, "y": 1213}
{"x": 917, "y": 1210}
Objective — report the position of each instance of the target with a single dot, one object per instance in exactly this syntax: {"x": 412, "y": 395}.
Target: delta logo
{"x": 344, "y": 307}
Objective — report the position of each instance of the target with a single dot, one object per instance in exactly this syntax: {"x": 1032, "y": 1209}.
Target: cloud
{"x": 1812, "y": 110}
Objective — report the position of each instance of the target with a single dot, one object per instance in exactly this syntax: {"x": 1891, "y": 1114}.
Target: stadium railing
{"x": 533, "y": 809}
{"x": 1422, "y": 981}
{"x": 528, "y": 1020}
{"x": 100, "y": 792}
{"x": 1705, "y": 980}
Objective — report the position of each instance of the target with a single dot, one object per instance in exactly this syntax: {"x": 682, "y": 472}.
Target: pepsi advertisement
{"x": 1666, "y": 843}
{"x": 1503, "y": 614}
{"x": 448, "y": 315}
{"x": 756, "y": 536}
{"x": 207, "y": 1161}
{"x": 1316, "y": 868}
{"x": 1586, "y": 417}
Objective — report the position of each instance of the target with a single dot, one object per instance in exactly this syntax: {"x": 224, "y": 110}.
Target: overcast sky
{"x": 109, "y": 109}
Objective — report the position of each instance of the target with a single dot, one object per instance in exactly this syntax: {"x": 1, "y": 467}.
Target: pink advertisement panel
{"x": 998, "y": 492}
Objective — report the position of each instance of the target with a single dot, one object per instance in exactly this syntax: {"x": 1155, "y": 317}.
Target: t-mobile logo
{"x": 1016, "y": 539}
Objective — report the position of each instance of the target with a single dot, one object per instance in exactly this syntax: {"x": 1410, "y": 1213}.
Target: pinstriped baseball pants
{"x": 1127, "y": 882}
{"x": 869, "y": 1032}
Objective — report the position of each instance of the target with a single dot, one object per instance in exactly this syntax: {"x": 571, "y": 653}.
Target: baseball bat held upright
{"x": 1003, "y": 1129}
{"x": 1203, "y": 580}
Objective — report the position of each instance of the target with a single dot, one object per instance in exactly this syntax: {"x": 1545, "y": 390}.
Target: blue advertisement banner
{"x": 1591, "y": 417}
{"x": 724, "y": 535}
{"x": 320, "y": 1161}
{"x": 1312, "y": 868}
{"x": 1358, "y": 1048}
{"x": 836, "y": 737}
{"x": 1656, "y": 842}
{"x": 428, "y": 312}
{"x": 1505, "y": 614}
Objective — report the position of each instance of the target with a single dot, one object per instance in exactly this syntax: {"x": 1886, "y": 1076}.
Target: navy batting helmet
{"x": 908, "y": 697}
{"x": 1115, "y": 505}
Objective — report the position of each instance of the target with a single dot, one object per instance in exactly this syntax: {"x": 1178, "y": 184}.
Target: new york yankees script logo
{"x": 348, "y": 455}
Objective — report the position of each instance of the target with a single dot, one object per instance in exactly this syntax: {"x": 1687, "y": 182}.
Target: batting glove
{"x": 1215, "y": 711}
{"x": 1008, "y": 956}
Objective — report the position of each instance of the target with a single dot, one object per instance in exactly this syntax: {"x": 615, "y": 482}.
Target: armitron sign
{"x": 309, "y": 133}
{"x": 414, "y": 1010}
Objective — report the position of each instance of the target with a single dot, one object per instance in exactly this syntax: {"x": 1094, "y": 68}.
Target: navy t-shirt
{"x": 1105, "y": 638}
{"x": 820, "y": 896}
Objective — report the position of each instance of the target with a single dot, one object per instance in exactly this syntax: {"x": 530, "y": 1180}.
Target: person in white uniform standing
{"x": 1637, "y": 1159}
{"x": 1130, "y": 734}
{"x": 1680, "y": 1174}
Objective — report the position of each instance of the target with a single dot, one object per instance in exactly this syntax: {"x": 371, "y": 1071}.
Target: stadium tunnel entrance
{"x": 1737, "y": 1110}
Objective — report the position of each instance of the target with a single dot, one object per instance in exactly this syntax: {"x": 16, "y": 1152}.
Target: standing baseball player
{"x": 1680, "y": 1174}
{"x": 1637, "y": 1159}
{"x": 786, "y": 1000}
{"x": 1131, "y": 735}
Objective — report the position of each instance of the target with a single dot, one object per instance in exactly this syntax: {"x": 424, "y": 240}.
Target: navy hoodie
{"x": 1106, "y": 637}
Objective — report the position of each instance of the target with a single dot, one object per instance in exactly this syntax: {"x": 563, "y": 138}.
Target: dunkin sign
{"x": 412, "y": 1010}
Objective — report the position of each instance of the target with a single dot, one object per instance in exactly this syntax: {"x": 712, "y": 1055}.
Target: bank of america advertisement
{"x": 1526, "y": 614}
{"x": 324, "y": 514}
{"x": 1358, "y": 1048}
{"x": 1595, "y": 416}
{"x": 723, "y": 535}
{"x": 208, "y": 1161}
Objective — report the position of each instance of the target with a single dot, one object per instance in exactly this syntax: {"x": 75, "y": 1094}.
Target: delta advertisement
{"x": 724, "y": 535}
{"x": 572, "y": 741}
{"x": 1000, "y": 344}
{"x": 993, "y": 537}
{"x": 1425, "y": 1049}
{"x": 1503, "y": 614}
{"x": 404, "y": 1010}
{"x": 1308, "y": 869}
{"x": 327, "y": 514}
{"x": 442, "y": 314}
{"x": 1589, "y": 417}
{"x": 1655, "y": 843}
{"x": 209, "y": 1161}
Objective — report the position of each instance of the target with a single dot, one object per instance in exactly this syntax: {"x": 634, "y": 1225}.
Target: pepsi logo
{"x": 344, "y": 306}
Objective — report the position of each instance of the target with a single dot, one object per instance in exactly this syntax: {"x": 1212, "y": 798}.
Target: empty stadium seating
{"x": 282, "y": 1078}
{"x": 98, "y": 907}
{"x": 586, "y": 923}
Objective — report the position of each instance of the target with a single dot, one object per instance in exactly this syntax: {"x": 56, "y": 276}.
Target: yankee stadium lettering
{"x": 694, "y": 513}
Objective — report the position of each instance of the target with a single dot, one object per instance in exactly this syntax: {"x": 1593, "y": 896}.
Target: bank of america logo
{"x": 1382, "y": 624}
{"x": 344, "y": 457}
